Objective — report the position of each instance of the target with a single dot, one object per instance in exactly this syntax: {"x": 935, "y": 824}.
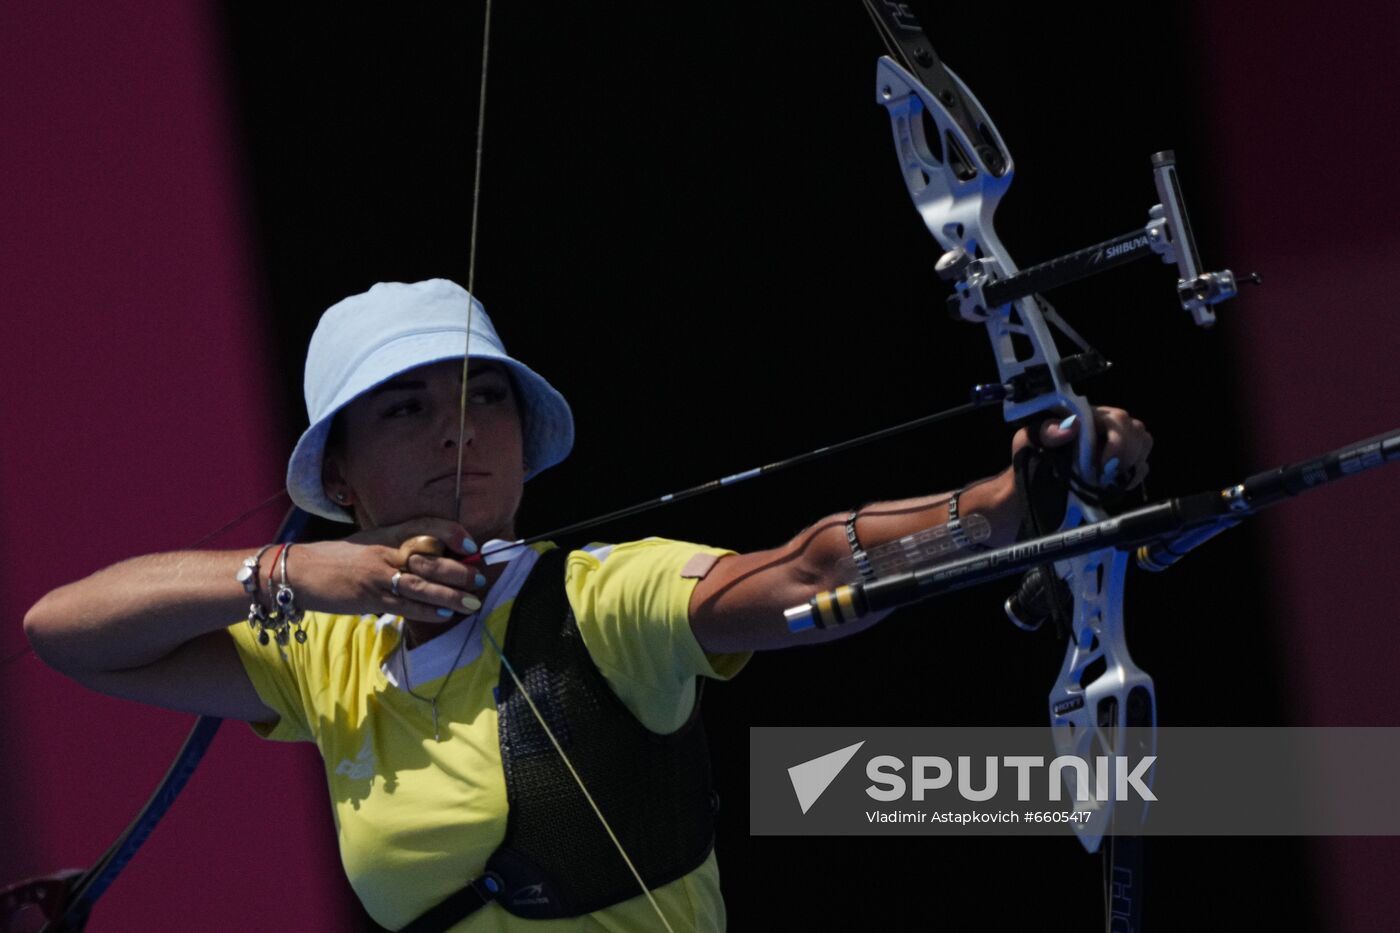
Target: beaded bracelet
{"x": 276, "y": 623}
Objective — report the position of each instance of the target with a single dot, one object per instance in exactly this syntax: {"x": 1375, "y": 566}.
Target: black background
{"x": 692, "y": 223}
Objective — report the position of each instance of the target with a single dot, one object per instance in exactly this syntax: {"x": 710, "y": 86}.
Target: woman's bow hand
{"x": 1124, "y": 444}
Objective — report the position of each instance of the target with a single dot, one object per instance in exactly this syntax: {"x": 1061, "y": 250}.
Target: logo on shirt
{"x": 362, "y": 768}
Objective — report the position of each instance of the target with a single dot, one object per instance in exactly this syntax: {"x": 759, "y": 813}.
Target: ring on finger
{"x": 394, "y": 582}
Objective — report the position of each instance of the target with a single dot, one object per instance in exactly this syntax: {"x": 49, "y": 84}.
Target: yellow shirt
{"x": 417, "y": 818}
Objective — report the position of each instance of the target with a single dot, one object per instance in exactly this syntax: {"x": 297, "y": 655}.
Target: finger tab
{"x": 426, "y": 545}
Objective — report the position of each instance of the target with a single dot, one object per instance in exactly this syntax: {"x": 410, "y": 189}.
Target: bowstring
{"x": 578, "y": 779}
{"x": 471, "y": 255}
{"x": 461, "y": 453}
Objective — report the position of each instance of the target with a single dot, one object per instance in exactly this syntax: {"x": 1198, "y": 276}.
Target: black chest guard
{"x": 655, "y": 791}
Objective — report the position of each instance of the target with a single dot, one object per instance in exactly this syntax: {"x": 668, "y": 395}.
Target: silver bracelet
{"x": 248, "y": 573}
{"x": 288, "y": 614}
{"x": 258, "y": 621}
{"x": 277, "y": 623}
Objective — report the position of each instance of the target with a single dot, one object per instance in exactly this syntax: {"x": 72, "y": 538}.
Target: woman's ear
{"x": 333, "y": 479}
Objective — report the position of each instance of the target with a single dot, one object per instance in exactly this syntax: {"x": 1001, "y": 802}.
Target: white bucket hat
{"x": 392, "y": 328}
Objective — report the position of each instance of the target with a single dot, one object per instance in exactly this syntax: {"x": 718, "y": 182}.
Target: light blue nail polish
{"x": 480, "y": 581}
{"x": 445, "y": 613}
{"x": 468, "y": 546}
{"x": 1068, "y": 423}
{"x": 1110, "y": 471}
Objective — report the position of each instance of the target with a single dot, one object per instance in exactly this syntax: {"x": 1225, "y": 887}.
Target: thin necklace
{"x": 403, "y": 668}
{"x": 500, "y": 554}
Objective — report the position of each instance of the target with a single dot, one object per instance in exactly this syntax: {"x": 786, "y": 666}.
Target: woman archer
{"x": 454, "y": 691}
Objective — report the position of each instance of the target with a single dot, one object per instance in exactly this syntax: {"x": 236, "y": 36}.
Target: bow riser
{"x": 958, "y": 213}
{"x": 956, "y": 194}
{"x": 1098, "y": 718}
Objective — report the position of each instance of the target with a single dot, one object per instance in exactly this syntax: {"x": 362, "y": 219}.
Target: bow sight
{"x": 1167, "y": 233}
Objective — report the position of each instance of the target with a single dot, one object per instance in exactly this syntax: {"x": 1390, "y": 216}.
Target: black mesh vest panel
{"x": 655, "y": 791}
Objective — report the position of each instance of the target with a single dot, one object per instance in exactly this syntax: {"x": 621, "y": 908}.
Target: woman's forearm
{"x": 138, "y": 611}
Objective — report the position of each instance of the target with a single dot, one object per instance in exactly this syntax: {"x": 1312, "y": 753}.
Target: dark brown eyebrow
{"x": 398, "y": 385}
{"x": 484, "y": 368}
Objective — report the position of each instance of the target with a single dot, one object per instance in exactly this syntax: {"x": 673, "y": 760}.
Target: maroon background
{"x": 144, "y": 258}
{"x": 139, "y": 417}
{"x": 1301, "y": 98}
